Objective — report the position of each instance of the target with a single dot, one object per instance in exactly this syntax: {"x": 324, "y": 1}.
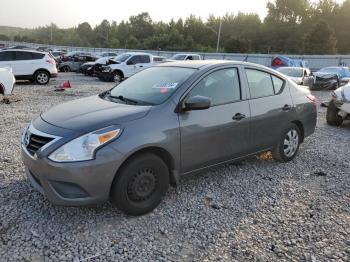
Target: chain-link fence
{"x": 314, "y": 61}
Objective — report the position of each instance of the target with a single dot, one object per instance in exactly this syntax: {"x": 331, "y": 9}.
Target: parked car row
{"x": 328, "y": 78}
{"x": 118, "y": 68}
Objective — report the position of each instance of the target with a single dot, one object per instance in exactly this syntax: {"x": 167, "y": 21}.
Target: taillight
{"x": 277, "y": 62}
{"x": 51, "y": 61}
{"x": 312, "y": 98}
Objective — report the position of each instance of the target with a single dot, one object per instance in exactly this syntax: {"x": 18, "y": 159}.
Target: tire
{"x": 335, "y": 86}
{"x": 117, "y": 78}
{"x": 42, "y": 77}
{"x": 65, "y": 69}
{"x": 140, "y": 185}
{"x": 332, "y": 117}
{"x": 288, "y": 144}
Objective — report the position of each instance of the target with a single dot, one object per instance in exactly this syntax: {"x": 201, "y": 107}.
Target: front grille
{"x": 36, "y": 142}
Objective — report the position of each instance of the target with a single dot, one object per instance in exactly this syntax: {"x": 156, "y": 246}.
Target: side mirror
{"x": 197, "y": 103}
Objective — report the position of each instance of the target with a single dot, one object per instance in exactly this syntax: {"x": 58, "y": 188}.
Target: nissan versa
{"x": 128, "y": 144}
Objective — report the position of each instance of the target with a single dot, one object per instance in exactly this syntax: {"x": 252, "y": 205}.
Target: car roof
{"x": 136, "y": 53}
{"x": 293, "y": 67}
{"x": 186, "y": 54}
{"x": 198, "y": 64}
{"x": 24, "y": 50}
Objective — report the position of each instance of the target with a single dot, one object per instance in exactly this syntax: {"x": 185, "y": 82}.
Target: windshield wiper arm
{"x": 124, "y": 99}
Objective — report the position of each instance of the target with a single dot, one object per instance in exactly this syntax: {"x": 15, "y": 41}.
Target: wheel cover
{"x": 142, "y": 184}
{"x": 42, "y": 78}
{"x": 291, "y": 143}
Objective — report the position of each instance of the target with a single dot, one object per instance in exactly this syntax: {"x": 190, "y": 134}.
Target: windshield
{"x": 152, "y": 86}
{"x": 330, "y": 70}
{"x": 178, "y": 57}
{"x": 292, "y": 72}
{"x": 122, "y": 58}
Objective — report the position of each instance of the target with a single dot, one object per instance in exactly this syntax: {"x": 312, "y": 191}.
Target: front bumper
{"x": 76, "y": 183}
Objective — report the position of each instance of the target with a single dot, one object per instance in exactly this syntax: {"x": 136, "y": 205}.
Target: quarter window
{"x": 277, "y": 84}
{"x": 221, "y": 87}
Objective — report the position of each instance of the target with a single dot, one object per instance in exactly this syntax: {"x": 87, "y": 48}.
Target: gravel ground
{"x": 258, "y": 210}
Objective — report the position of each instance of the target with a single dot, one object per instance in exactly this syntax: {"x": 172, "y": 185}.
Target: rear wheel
{"x": 288, "y": 145}
{"x": 140, "y": 185}
{"x": 42, "y": 77}
{"x": 332, "y": 117}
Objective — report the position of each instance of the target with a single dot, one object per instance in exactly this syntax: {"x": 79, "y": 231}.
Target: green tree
{"x": 320, "y": 40}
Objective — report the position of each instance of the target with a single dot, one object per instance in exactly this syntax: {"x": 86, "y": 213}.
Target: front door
{"x": 221, "y": 132}
{"x": 7, "y": 59}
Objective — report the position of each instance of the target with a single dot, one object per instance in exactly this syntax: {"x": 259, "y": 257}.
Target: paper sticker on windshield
{"x": 165, "y": 85}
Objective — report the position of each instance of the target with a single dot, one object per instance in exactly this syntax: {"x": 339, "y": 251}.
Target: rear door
{"x": 28, "y": 62}
{"x": 216, "y": 134}
{"x": 271, "y": 107}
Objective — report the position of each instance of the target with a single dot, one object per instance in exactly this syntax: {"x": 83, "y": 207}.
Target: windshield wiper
{"x": 124, "y": 99}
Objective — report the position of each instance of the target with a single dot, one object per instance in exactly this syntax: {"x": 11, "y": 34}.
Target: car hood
{"x": 92, "y": 113}
{"x": 88, "y": 63}
{"x": 325, "y": 75}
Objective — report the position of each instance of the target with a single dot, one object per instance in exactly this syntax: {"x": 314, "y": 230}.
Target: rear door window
{"x": 260, "y": 83}
{"x": 23, "y": 56}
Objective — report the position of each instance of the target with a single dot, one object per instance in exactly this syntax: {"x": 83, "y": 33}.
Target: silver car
{"x": 127, "y": 145}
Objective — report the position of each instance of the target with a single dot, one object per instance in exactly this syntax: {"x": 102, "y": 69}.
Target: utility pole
{"x": 219, "y": 34}
{"x": 51, "y": 34}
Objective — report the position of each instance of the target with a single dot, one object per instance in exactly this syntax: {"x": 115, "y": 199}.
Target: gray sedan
{"x": 127, "y": 145}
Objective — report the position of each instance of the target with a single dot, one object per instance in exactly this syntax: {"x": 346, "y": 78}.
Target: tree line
{"x": 290, "y": 27}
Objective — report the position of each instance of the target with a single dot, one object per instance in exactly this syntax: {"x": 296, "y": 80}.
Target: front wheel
{"x": 140, "y": 185}
{"x": 42, "y": 77}
{"x": 288, "y": 145}
{"x": 332, "y": 117}
{"x": 117, "y": 78}
{"x": 65, "y": 69}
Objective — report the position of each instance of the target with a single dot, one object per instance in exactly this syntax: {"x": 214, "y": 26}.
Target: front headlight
{"x": 84, "y": 147}
{"x": 106, "y": 69}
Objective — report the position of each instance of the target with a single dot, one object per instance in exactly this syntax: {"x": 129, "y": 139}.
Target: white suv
{"x": 29, "y": 65}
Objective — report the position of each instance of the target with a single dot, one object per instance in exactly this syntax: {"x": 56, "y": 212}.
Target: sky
{"x": 67, "y": 13}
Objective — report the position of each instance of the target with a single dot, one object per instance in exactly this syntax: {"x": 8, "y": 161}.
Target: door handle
{"x": 238, "y": 117}
{"x": 287, "y": 107}
{"x": 141, "y": 66}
